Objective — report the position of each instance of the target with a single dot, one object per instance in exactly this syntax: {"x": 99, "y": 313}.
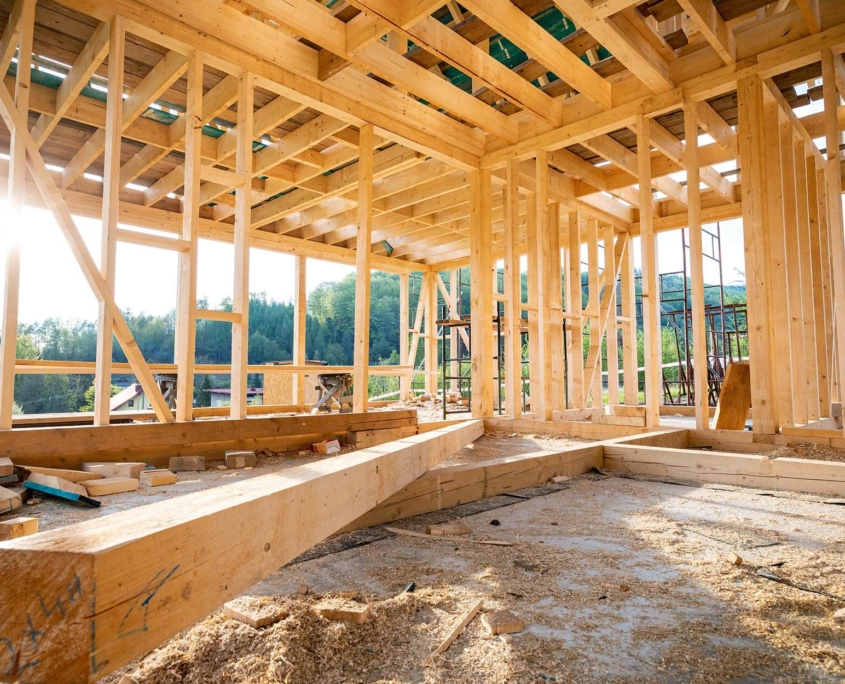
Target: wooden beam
{"x": 810, "y": 12}
{"x": 517, "y": 26}
{"x": 169, "y": 561}
{"x": 481, "y": 294}
{"x": 834, "y": 213}
{"x": 513, "y": 295}
{"x": 431, "y": 339}
{"x": 10, "y": 39}
{"x": 300, "y": 311}
{"x": 652, "y": 359}
{"x": 751, "y": 139}
{"x": 363, "y": 273}
{"x": 111, "y": 198}
{"x": 593, "y": 386}
{"x": 699, "y": 339}
{"x": 629, "y": 329}
{"x": 186, "y": 325}
{"x": 708, "y": 20}
{"x": 611, "y": 274}
{"x": 243, "y": 220}
{"x": 404, "y": 316}
{"x": 575, "y": 366}
{"x": 22, "y": 21}
{"x": 80, "y": 73}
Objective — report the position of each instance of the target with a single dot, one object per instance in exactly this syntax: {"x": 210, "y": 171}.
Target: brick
{"x": 240, "y": 459}
{"x": 186, "y": 464}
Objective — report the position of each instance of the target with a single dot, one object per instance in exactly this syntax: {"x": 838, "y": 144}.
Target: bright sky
{"x": 52, "y": 284}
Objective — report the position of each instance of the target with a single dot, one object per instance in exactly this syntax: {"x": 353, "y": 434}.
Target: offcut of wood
{"x": 456, "y": 632}
{"x": 186, "y": 464}
{"x": 448, "y": 529}
{"x": 6, "y": 467}
{"x": 420, "y": 535}
{"x": 64, "y": 473}
{"x": 111, "y": 485}
{"x": 9, "y": 500}
{"x": 254, "y": 611}
{"x": 344, "y": 610}
{"x": 17, "y": 527}
{"x": 240, "y": 459}
{"x": 502, "y": 622}
{"x": 157, "y": 478}
{"x": 128, "y": 469}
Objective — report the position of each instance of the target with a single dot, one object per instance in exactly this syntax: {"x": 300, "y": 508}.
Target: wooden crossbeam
{"x": 57, "y": 206}
{"x": 708, "y": 20}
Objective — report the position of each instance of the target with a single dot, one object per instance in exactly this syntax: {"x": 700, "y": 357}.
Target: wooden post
{"x": 827, "y": 287}
{"x": 481, "y": 293}
{"x": 651, "y": 306}
{"x": 817, "y": 310}
{"x": 541, "y": 406}
{"x": 13, "y": 223}
{"x": 778, "y": 258}
{"x": 629, "y": 327}
{"x": 793, "y": 269}
{"x": 595, "y": 389}
{"x": 186, "y": 326}
{"x": 809, "y": 369}
{"x": 751, "y": 134}
{"x": 513, "y": 294}
{"x": 404, "y": 314}
{"x": 363, "y": 258}
{"x": 574, "y": 309}
{"x": 611, "y": 327}
{"x": 834, "y": 214}
{"x": 431, "y": 379}
{"x": 556, "y": 393}
{"x": 243, "y": 212}
{"x": 300, "y": 309}
{"x": 699, "y": 338}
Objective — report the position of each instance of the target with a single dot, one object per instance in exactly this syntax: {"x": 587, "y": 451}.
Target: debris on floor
{"x": 131, "y": 469}
{"x": 240, "y": 459}
{"x": 331, "y": 446}
{"x": 110, "y": 485}
{"x": 502, "y": 622}
{"x": 448, "y": 529}
{"x": 339, "y": 608}
{"x": 186, "y": 464}
{"x": 9, "y": 500}
{"x": 255, "y": 611}
{"x": 158, "y": 478}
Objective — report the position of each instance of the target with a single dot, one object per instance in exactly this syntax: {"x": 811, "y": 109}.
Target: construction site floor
{"x": 616, "y": 579}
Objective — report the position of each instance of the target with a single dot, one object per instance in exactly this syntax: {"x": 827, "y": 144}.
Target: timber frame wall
{"x": 371, "y": 156}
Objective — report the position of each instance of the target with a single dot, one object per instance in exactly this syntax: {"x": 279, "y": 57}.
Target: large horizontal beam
{"x": 89, "y": 598}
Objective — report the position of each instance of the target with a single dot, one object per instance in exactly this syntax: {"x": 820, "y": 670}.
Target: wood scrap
{"x": 6, "y": 467}
{"x": 456, "y": 632}
{"x": 448, "y": 529}
{"x": 420, "y": 535}
{"x": 17, "y": 527}
{"x": 64, "y": 473}
{"x": 502, "y": 622}
{"x": 111, "y": 485}
{"x": 734, "y": 398}
{"x": 107, "y": 469}
{"x": 240, "y": 459}
{"x": 769, "y": 575}
{"x": 255, "y": 611}
{"x": 343, "y": 610}
{"x": 60, "y": 489}
{"x": 9, "y": 500}
{"x": 158, "y": 478}
{"x": 186, "y": 464}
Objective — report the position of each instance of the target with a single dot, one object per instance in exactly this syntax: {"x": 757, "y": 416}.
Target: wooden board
{"x": 127, "y": 581}
{"x": 749, "y": 470}
{"x": 110, "y": 485}
{"x": 446, "y": 487}
{"x": 735, "y": 398}
{"x": 155, "y": 443}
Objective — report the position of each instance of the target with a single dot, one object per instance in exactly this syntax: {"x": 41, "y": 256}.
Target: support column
{"x": 611, "y": 330}
{"x": 556, "y": 391}
{"x": 834, "y": 214}
{"x": 652, "y": 357}
{"x": 629, "y": 327}
{"x": 798, "y": 384}
{"x": 699, "y": 338}
{"x": 541, "y": 405}
{"x": 751, "y": 136}
{"x": 533, "y": 310}
{"x": 574, "y": 310}
{"x": 817, "y": 312}
{"x": 513, "y": 294}
{"x": 431, "y": 379}
{"x": 186, "y": 326}
{"x": 595, "y": 388}
{"x": 13, "y": 225}
{"x": 363, "y": 257}
{"x": 111, "y": 207}
{"x": 454, "y": 285}
{"x": 404, "y": 313}
{"x": 300, "y": 309}
{"x": 243, "y": 213}
{"x": 481, "y": 293}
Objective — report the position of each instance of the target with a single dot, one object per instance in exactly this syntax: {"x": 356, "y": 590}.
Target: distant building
{"x": 130, "y": 399}
{"x": 223, "y": 397}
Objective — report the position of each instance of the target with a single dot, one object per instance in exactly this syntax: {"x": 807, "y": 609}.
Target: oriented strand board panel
{"x": 126, "y": 582}
{"x": 735, "y": 398}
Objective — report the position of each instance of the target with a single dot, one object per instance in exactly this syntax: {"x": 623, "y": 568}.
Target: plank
{"x": 146, "y": 582}
{"x": 735, "y": 398}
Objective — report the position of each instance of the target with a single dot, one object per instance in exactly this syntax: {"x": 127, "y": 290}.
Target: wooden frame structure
{"x": 314, "y": 129}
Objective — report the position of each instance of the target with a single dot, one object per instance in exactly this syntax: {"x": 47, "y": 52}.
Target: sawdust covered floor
{"x": 617, "y": 580}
